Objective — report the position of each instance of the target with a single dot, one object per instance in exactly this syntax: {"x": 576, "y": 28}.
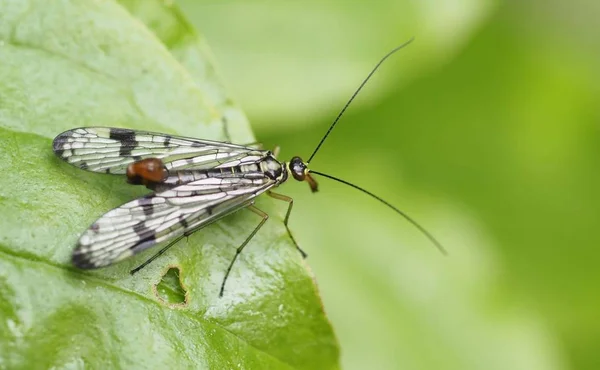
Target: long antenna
{"x": 354, "y": 96}
{"x": 407, "y": 217}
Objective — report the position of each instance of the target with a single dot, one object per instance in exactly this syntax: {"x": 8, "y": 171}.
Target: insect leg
{"x": 257, "y": 144}
{"x": 290, "y": 201}
{"x": 226, "y": 128}
{"x": 159, "y": 253}
{"x": 228, "y": 135}
{"x": 265, "y": 217}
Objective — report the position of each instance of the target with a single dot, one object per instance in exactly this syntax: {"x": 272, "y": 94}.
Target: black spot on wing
{"x": 58, "y": 144}
{"x": 126, "y": 138}
{"x": 144, "y": 232}
{"x": 59, "y": 152}
{"x": 183, "y": 221}
{"x": 82, "y": 261}
{"x": 147, "y": 237}
{"x": 147, "y": 206}
{"x": 122, "y": 135}
{"x": 167, "y": 140}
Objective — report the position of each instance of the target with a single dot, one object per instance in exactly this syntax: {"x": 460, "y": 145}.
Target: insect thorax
{"x": 273, "y": 169}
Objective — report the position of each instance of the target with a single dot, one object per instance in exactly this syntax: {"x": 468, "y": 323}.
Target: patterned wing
{"x": 144, "y": 222}
{"x": 111, "y": 150}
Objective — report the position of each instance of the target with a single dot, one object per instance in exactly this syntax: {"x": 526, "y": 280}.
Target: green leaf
{"x": 106, "y": 67}
{"x": 170, "y": 290}
{"x": 321, "y": 50}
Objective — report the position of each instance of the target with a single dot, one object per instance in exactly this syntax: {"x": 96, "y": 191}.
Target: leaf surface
{"x": 137, "y": 65}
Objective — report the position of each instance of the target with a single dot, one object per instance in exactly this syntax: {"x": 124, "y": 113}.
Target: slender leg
{"x": 290, "y": 201}
{"x": 257, "y": 144}
{"x": 265, "y": 217}
{"x": 226, "y": 129}
{"x": 160, "y": 252}
{"x": 228, "y": 135}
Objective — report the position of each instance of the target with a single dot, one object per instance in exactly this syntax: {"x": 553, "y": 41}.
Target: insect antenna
{"x": 335, "y": 121}
{"x": 407, "y": 217}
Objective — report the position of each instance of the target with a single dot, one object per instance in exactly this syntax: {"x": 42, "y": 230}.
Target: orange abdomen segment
{"x": 146, "y": 171}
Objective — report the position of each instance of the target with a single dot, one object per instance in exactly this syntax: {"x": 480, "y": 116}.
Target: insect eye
{"x": 298, "y": 169}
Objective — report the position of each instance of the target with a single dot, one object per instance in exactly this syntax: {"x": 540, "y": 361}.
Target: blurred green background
{"x": 485, "y": 129}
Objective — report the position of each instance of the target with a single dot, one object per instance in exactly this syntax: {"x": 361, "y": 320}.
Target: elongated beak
{"x": 314, "y": 187}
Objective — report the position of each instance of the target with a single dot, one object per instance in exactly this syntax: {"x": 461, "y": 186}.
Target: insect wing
{"x": 111, "y": 150}
{"x": 144, "y": 222}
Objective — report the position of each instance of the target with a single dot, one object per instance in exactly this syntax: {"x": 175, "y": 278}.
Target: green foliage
{"x": 78, "y": 63}
{"x": 492, "y": 144}
{"x": 170, "y": 290}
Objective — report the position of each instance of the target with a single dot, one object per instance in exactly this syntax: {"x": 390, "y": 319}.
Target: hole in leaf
{"x": 169, "y": 289}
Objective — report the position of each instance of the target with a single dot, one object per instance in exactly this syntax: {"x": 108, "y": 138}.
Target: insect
{"x": 194, "y": 182}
